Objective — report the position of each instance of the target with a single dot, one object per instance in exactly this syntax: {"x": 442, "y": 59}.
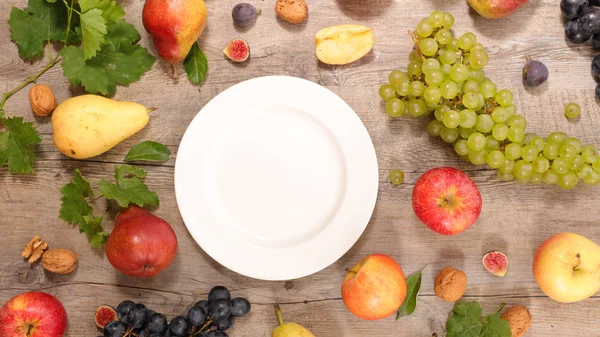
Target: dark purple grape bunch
{"x": 584, "y": 21}
{"x": 136, "y": 320}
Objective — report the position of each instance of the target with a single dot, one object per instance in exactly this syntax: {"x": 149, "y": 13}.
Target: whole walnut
{"x": 292, "y": 11}
{"x": 450, "y": 284}
{"x": 42, "y": 100}
{"x": 519, "y": 320}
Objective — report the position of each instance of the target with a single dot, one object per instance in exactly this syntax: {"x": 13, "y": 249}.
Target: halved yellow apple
{"x": 343, "y": 44}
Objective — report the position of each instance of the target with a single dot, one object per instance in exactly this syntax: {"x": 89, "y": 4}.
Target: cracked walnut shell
{"x": 42, "y": 100}
{"x": 292, "y": 11}
{"x": 450, "y": 284}
{"x": 519, "y": 320}
{"x": 59, "y": 261}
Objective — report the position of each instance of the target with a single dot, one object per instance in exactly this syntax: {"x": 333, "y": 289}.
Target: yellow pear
{"x": 89, "y": 125}
{"x": 289, "y": 329}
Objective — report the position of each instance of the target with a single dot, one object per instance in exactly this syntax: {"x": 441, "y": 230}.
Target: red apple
{"x": 496, "y": 9}
{"x": 374, "y": 288}
{"x": 141, "y": 244}
{"x": 33, "y": 314}
{"x": 446, "y": 200}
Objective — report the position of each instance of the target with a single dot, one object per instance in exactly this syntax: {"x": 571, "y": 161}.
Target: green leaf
{"x": 148, "y": 151}
{"x": 93, "y": 30}
{"x": 118, "y": 62}
{"x": 465, "y": 320}
{"x": 130, "y": 189}
{"x": 16, "y": 145}
{"x": 413, "y": 285}
{"x": 111, "y": 12}
{"x": 74, "y": 200}
{"x": 51, "y": 1}
{"x": 92, "y": 227}
{"x": 196, "y": 65}
{"x": 494, "y": 326}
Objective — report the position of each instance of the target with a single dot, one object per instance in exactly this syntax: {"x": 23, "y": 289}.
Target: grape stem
{"x": 416, "y": 42}
{"x": 500, "y": 309}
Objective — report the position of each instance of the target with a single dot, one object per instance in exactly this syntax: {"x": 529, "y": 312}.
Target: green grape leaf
{"x": 196, "y": 65}
{"x": 494, "y": 326}
{"x": 129, "y": 189}
{"x": 117, "y": 62}
{"x": 148, "y": 151}
{"x": 51, "y": 1}
{"x": 93, "y": 30}
{"x": 16, "y": 145}
{"x": 74, "y": 200}
{"x": 413, "y": 285}
{"x": 465, "y": 320}
{"x": 92, "y": 227}
{"x": 33, "y": 27}
{"x": 111, "y": 12}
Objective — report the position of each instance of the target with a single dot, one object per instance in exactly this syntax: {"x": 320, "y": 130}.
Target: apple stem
{"x": 578, "y": 256}
{"x": 29, "y": 328}
{"x": 278, "y": 313}
{"x": 500, "y": 309}
{"x": 149, "y": 110}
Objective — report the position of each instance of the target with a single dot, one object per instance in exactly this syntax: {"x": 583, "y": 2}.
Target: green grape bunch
{"x": 445, "y": 77}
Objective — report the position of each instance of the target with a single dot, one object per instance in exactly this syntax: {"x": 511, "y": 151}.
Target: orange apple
{"x": 374, "y": 288}
{"x": 567, "y": 267}
{"x": 33, "y": 314}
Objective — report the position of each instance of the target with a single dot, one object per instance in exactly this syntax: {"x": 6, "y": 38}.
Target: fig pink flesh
{"x": 496, "y": 263}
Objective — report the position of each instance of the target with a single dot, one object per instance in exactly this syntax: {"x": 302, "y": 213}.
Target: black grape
{"x": 574, "y": 35}
{"x": 137, "y": 316}
{"x": 202, "y": 304}
{"x": 573, "y": 8}
{"x": 122, "y": 310}
{"x": 178, "y": 326}
{"x": 218, "y": 293}
{"x": 240, "y": 307}
{"x": 589, "y": 21}
{"x": 225, "y": 324}
{"x": 196, "y": 316}
{"x": 218, "y": 334}
{"x": 114, "y": 329}
{"x": 598, "y": 91}
{"x": 596, "y": 68}
{"x": 157, "y": 323}
{"x": 219, "y": 309}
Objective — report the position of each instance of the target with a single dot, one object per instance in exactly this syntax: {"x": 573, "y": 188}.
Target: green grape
{"x": 448, "y": 20}
{"x": 464, "y": 133}
{"x": 430, "y": 64}
{"x": 402, "y": 88}
{"x": 500, "y": 131}
{"x": 596, "y": 166}
{"x": 509, "y": 165}
{"x": 448, "y": 135}
{"x": 466, "y": 41}
{"x": 574, "y": 142}
{"x": 476, "y": 75}
{"x": 433, "y": 128}
{"x": 416, "y": 88}
{"x": 478, "y": 59}
{"x": 517, "y": 121}
{"x": 584, "y": 171}
{"x": 430, "y": 107}
{"x": 453, "y": 45}
{"x": 527, "y": 138}
{"x": 428, "y": 46}
{"x": 396, "y": 177}
{"x": 424, "y": 28}
{"x": 435, "y": 77}
{"x": 470, "y": 100}
{"x": 432, "y": 95}
{"x": 449, "y": 57}
{"x": 560, "y": 165}
{"x": 459, "y": 73}
{"x": 468, "y": 118}
{"x": 577, "y": 163}
{"x": 451, "y": 119}
{"x": 572, "y": 110}
{"x": 504, "y": 97}
{"x": 476, "y": 141}
{"x": 386, "y": 92}
{"x": 568, "y": 180}
{"x": 484, "y": 124}
{"x": 439, "y": 112}
{"x": 414, "y": 56}
{"x": 550, "y": 177}
{"x": 529, "y": 152}
{"x": 480, "y": 102}
{"x": 592, "y": 179}
{"x": 416, "y": 107}
{"x": 414, "y": 69}
{"x": 567, "y": 152}
{"x": 523, "y": 170}
{"x": 511, "y": 110}
{"x": 557, "y": 138}
{"x": 491, "y": 144}
{"x": 495, "y": 159}
{"x": 470, "y": 86}
{"x": 477, "y": 46}
{"x": 499, "y": 115}
{"x": 443, "y": 36}
{"x": 512, "y": 151}
{"x": 462, "y": 148}
{"x": 504, "y": 176}
{"x": 551, "y": 150}
{"x": 487, "y": 89}
{"x": 394, "y": 107}
{"x": 449, "y": 89}
{"x": 397, "y": 76}
{"x": 478, "y": 157}
{"x": 540, "y": 164}
{"x": 536, "y": 178}
{"x": 446, "y": 71}
{"x": 589, "y": 153}
{"x": 539, "y": 143}
{"x": 516, "y": 135}
{"x": 436, "y": 19}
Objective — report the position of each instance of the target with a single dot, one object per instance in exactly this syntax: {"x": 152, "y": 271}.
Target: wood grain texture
{"x": 515, "y": 218}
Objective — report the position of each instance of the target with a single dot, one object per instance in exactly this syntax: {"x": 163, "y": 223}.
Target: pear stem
{"x": 149, "y": 110}
{"x": 278, "y": 313}
{"x": 500, "y": 309}
{"x": 174, "y": 68}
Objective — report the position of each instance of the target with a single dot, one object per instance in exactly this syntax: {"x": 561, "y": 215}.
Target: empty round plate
{"x": 276, "y": 178}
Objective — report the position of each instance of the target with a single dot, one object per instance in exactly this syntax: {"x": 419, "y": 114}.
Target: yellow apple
{"x": 567, "y": 267}
{"x": 343, "y": 44}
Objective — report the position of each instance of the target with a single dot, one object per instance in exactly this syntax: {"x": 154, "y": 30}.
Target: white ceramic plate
{"x": 276, "y": 178}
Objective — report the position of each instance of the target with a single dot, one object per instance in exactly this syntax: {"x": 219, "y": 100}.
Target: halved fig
{"x": 104, "y": 315}
{"x": 237, "y": 50}
{"x": 496, "y": 263}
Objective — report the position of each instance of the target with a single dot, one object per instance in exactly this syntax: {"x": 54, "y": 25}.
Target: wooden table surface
{"x": 515, "y": 219}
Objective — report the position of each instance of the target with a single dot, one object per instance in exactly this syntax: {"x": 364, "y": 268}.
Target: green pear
{"x": 289, "y": 329}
